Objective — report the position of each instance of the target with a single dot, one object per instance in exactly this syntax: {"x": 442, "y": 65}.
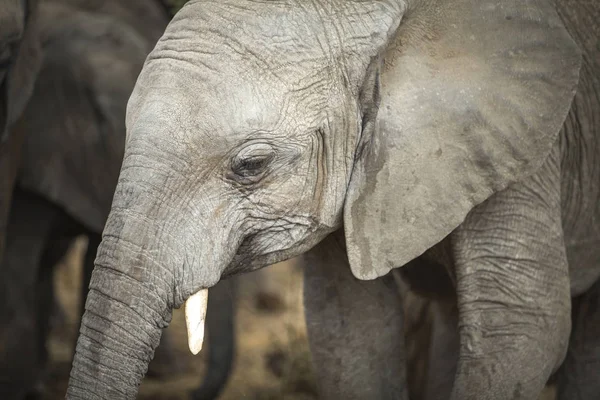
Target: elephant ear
{"x": 75, "y": 120}
{"x": 473, "y": 95}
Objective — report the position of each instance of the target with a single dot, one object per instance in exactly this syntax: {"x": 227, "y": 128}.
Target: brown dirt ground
{"x": 263, "y": 339}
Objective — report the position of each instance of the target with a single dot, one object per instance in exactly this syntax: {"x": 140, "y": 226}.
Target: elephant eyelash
{"x": 251, "y": 165}
{"x": 249, "y": 170}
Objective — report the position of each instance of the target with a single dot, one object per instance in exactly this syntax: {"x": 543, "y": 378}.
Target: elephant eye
{"x": 250, "y": 164}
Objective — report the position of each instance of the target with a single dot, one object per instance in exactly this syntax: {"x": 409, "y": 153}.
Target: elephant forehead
{"x": 279, "y": 39}
{"x": 167, "y": 97}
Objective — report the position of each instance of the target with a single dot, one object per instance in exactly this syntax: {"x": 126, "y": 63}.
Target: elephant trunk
{"x": 119, "y": 331}
{"x": 154, "y": 255}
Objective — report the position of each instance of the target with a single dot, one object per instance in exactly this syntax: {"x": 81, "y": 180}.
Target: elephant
{"x": 430, "y": 319}
{"x": 73, "y": 137}
{"x": 366, "y": 135}
{"x": 19, "y": 63}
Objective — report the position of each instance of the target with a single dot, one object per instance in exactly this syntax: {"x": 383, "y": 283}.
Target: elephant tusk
{"x": 195, "y": 315}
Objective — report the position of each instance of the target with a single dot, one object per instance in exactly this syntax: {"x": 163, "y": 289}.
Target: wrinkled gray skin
{"x": 74, "y": 138}
{"x": 578, "y": 141}
{"x": 19, "y": 63}
{"x": 258, "y": 129}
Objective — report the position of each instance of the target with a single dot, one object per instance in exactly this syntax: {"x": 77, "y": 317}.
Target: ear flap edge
{"x": 462, "y": 116}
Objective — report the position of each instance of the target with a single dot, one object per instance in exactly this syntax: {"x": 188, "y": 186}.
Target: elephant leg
{"x": 443, "y": 352}
{"x": 355, "y": 328}
{"x": 417, "y": 336}
{"x": 220, "y": 328}
{"x": 513, "y": 291}
{"x": 431, "y": 319}
{"x": 45, "y": 306}
{"x": 30, "y": 222}
{"x": 56, "y": 248}
{"x": 579, "y": 376}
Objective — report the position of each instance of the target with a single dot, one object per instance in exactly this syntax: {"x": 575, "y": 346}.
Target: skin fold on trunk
{"x": 140, "y": 276}
{"x": 123, "y": 322}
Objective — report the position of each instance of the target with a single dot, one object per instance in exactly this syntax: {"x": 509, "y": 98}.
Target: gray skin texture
{"x": 579, "y": 193}
{"x": 19, "y": 63}
{"x": 256, "y": 129}
{"x": 74, "y": 138}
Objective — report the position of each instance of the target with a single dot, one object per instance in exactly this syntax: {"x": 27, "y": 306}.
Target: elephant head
{"x": 74, "y": 124}
{"x": 257, "y": 128}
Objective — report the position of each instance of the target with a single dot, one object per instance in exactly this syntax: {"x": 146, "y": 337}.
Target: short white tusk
{"x": 195, "y": 315}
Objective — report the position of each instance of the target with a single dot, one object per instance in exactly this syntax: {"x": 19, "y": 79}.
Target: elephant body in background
{"x": 451, "y": 134}
{"x": 39, "y": 236}
{"x": 72, "y": 142}
{"x": 19, "y": 63}
{"x": 72, "y": 137}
